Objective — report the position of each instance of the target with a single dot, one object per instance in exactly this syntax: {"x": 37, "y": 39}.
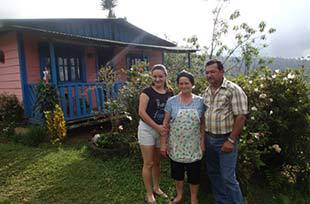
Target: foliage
{"x": 34, "y": 136}
{"x": 176, "y": 62}
{"x": 114, "y": 140}
{"x": 109, "y": 5}
{"x": 248, "y": 41}
{"x": 56, "y": 125}
{"x": 11, "y": 113}
{"x": 46, "y": 98}
{"x": 128, "y": 100}
{"x": 276, "y": 139}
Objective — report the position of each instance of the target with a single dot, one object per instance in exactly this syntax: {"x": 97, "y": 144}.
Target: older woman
{"x": 185, "y": 142}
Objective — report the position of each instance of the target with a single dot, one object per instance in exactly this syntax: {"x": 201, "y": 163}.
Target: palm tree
{"x": 109, "y": 5}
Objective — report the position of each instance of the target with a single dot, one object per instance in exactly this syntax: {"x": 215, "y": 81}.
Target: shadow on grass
{"x": 69, "y": 175}
{"x": 15, "y": 160}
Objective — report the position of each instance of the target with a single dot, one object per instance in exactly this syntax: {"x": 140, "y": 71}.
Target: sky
{"x": 179, "y": 19}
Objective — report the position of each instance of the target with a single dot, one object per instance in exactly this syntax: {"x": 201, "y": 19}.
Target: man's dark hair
{"x": 220, "y": 66}
{"x": 186, "y": 74}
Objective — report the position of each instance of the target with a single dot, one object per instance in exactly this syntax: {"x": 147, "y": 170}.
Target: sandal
{"x": 175, "y": 202}
{"x": 150, "y": 202}
{"x": 163, "y": 195}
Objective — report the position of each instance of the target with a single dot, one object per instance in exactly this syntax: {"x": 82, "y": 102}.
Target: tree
{"x": 247, "y": 43}
{"x": 109, "y": 5}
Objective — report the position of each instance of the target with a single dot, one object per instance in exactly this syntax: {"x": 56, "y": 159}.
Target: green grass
{"x": 67, "y": 174}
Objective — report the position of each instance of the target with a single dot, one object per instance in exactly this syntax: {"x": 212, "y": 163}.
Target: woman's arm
{"x": 164, "y": 137}
{"x": 202, "y": 133}
{"x": 143, "y": 101}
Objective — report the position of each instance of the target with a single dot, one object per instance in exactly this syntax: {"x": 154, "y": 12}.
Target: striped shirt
{"x": 228, "y": 101}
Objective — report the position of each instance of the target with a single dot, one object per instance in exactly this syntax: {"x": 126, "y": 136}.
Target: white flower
{"x": 254, "y": 108}
{"x": 277, "y": 71}
{"x": 285, "y": 79}
{"x": 262, "y": 85}
{"x": 262, "y": 95}
{"x": 129, "y": 117}
{"x": 255, "y": 134}
{"x": 290, "y": 76}
{"x": 277, "y": 148}
{"x": 250, "y": 82}
{"x": 252, "y": 118}
{"x": 256, "y": 89}
{"x": 296, "y": 109}
{"x": 262, "y": 78}
{"x": 274, "y": 76}
{"x": 271, "y": 112}
{"x": 250, "y": 141}
{"x": 95, "y": 138}
{"x": 120, "y": 127}
{"x": 271, "y": 100}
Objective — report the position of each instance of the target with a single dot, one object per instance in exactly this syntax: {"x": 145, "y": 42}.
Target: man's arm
{"x": 229, "y": 144}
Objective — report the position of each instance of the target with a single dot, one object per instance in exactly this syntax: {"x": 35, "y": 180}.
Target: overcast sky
{"x": 178, "y": 19}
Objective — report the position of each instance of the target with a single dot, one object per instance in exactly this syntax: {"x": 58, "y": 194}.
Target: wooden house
{"x": 72, "y": 51}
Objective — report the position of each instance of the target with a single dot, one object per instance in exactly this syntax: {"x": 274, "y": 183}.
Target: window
{"x": 68, "y": 62}
{"x": 2, "y": 60}
{"x": 134, "y": 59}
{"x": 69, "y": 69}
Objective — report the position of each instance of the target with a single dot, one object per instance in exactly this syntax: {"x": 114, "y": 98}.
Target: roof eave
{"x": 103, "y": 41}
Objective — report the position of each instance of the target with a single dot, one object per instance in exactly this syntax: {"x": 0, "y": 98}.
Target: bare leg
{"x": 179, "y": 189}
{"x": 148, "y": 163}
{"x": 194, "y": 193}
{"x": 156, "y": 172}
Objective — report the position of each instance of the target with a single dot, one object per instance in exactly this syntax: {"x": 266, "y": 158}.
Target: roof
{"x": 108, "y": 31}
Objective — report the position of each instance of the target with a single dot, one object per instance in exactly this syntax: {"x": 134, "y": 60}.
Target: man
{"x": 226, "y": 109}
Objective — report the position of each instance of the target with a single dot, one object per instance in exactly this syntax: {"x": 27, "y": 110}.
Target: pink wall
{"x": 9, "y": 71}
{"x": 90, "y": 61}
{"x": 155, "y": 57}
{"x": 32, "y": 58}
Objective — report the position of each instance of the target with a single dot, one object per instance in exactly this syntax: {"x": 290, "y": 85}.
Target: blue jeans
{"x": 221, "y": 169}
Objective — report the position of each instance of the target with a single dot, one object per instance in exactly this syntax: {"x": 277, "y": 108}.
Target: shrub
{"x": 11, "y": 113}
{"x": 114, "y": 140}
{"x": 128, "y": 100}
{"x": 56, "y": 125}
{"x": 46, "y": 98}
{"x": 276, "y": 139}
{"x": 34, "y": 136}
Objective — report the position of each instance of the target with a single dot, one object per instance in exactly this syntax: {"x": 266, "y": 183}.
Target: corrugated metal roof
{"x": 101, "y": 41}
{"x": 109, "y": 29}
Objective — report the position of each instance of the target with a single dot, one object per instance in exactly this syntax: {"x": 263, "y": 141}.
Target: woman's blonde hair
{"x": 163, "y": 69}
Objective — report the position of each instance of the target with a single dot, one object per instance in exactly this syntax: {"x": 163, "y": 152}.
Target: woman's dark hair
{"x": 186, "y": 74}
{"x": 220, "y": 66}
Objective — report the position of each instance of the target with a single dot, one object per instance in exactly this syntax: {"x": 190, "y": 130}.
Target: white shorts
{"x": 147, "y": 135}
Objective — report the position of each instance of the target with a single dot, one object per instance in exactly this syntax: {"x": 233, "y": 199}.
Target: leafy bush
{"x": 11, "y": 113}
{"x": 33, "y": 137}
{"x": 56, "y": 125}
{"x": 128, "y": 100}
{"x": 114, "y": 140}
{"x": 276, "y": 139}
{"x": 46, "y": 98}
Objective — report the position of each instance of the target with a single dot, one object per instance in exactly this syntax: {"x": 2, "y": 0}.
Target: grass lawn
{"x": 68, "y": 174}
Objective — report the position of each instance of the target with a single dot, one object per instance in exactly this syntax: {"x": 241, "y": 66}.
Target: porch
{"x": 78, "y": 101}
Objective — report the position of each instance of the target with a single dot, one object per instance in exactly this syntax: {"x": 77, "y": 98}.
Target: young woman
{"x": 185, "y": 142}
{"x": 151, "y": 111}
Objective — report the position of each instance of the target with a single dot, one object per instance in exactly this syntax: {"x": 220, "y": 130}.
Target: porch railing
{"x": 79, "y": 100}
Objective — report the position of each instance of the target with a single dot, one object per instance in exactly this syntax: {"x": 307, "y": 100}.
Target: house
{"x": 71, "y": 51}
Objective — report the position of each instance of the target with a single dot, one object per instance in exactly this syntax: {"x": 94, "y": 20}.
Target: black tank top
{"x": 156, "y": 104}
